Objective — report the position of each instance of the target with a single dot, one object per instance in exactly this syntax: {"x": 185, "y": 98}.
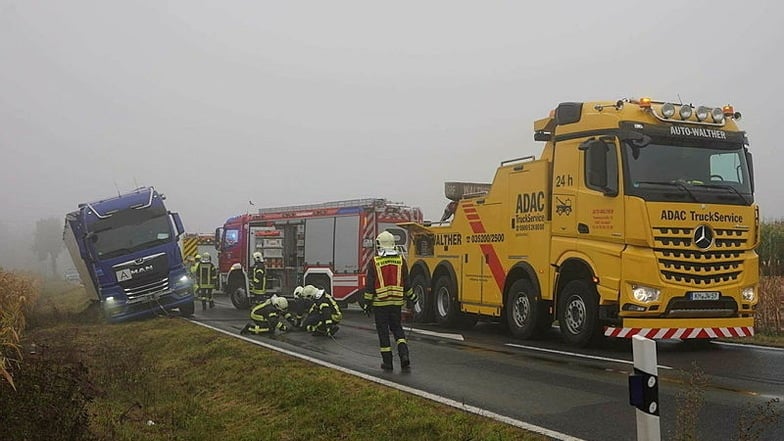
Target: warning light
{"x": 729, "y": 111}
{"x": 645, "y": 103}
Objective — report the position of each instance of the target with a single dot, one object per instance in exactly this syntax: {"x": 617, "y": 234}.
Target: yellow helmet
{"x": 385, "y": 243}
{"x": 309, "y": 291}
{"x": 280, "y": 302}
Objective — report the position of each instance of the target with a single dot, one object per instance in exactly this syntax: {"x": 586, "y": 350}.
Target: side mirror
{"x": 178, "y": 223}
{"x": 750, "y": 163}
{"x": 218, "y": 233}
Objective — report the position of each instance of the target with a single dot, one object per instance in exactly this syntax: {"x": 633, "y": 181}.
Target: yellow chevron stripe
{"x": 189, "y": 246}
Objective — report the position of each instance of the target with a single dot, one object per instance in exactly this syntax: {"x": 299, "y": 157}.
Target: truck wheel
{"x": 446, "y": 307}
{"x": 578, "y": 313}
{"x": 524, "y": 310}
{"x": 239, "y": 298}
{"x": 423, "y": 308}
{"x": 186, "y": 309}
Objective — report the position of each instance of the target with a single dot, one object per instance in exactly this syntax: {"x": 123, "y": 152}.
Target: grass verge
{"x": 164, "y": 379}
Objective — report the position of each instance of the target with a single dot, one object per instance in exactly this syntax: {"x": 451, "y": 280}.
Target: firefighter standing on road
{"x": 268, "y": 316}
{"x": 324, "y": 315}
{"x": 259, "y": 275}
{"x": 206, "y": 278}
{"x": 386, "y": 291}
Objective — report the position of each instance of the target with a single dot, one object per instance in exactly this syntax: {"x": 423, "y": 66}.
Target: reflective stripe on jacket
{"x": 387, "y": 281}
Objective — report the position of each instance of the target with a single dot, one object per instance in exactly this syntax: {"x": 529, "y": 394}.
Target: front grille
{"x": 143, "y": 288}
{"x": 679, "y": 261}
{"x": 683, "y": 307}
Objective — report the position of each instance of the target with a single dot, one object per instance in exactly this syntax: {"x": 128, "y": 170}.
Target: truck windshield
{"x": 691, "y": 173}
{"x": 130, "y": 232}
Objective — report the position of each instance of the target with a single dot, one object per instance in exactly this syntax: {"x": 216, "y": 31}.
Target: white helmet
{"x": 280, "y": 302}
{"x": 206, "y": 257}
{"x": 298, "y": 292}
{"x": 258, "y": 257}
{"x": 309, "y": 291}
{"x": 385, "y": 243}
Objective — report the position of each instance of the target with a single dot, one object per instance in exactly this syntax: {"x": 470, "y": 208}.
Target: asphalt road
{"x": 582, "y": 393}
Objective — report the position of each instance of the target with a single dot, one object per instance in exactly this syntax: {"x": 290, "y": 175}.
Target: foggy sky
{"x": 217, "y": 103}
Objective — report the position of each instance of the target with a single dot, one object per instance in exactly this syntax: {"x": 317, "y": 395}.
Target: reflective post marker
{"x": 644, "y": 389}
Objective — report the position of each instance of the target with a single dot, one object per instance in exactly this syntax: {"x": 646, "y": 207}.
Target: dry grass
{"x": 17, "y": 292}
{"x": 770, "y": 309}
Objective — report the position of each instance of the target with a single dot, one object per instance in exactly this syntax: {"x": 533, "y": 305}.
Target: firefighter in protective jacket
{"x": 299, "y": 306}
{"x": 386, "y": 291}
{"x": 206, "y": 279}
{"x": 258, "y": 275}
{"x": 268, "y": 316}
{"x": 324, "y": 315}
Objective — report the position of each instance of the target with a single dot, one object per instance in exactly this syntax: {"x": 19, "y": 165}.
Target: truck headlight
{"x": 184, "y": 281}
{"x": 748, "y": 294}
{"x": 645, "y": 294}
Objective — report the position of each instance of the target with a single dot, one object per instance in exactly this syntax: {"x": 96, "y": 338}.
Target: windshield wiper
{"x": 671, "y": 184}
{"x": 728, "y": 187}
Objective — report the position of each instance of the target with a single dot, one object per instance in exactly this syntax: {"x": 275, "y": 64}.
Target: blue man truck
{"x": 126, "y": 252}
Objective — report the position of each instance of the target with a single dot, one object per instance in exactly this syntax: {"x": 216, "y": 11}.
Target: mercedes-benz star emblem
{"x": 703, "y": 237}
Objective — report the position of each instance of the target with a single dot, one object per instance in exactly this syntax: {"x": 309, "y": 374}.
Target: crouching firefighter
{"x": 299, "y": 306}
{"x": 324, "y": 314}
{"x": 386, "y": 291}
{"x": 268, "y": 316}
{"x": 206, "y": 279}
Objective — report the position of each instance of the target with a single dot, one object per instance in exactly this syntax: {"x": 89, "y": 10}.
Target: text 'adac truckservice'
{"x": 638, "y": 218}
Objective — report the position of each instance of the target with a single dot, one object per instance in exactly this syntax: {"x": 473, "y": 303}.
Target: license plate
{"x": 704, "y": 295}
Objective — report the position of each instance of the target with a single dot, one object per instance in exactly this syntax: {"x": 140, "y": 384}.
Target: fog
{"x": 224, "y": 102}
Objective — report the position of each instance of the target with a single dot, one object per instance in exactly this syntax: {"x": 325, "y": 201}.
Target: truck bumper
{"x": 686, "y": 328}
{"x": 161, "y": 302}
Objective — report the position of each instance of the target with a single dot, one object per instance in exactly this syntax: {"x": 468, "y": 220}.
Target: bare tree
{"x": 48, "y": 240}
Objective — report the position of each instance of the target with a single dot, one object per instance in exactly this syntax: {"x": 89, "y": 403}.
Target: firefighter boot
{"x": 212, "y": 303}
{"x": 386, "y": 357}
{"x": 203, "y": 305}
{"x": 402, "y": 351}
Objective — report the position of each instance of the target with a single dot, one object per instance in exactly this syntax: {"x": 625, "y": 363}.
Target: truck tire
{"x": 423, "y": 308}
{"x": 238, "y": 297}
{"x": 524, "y": 310}
{"x": 186, "y": 309}
{"x": 447, "y": 310}
{"x": 578, "y": 313}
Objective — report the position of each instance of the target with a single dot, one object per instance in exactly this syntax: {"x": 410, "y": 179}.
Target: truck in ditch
{"x": 126, "y": 253}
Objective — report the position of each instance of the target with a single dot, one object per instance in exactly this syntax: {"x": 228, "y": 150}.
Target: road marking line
{"x": 420, "y": 393}
{"x": 743, "y": 345}
{"x": 458, "y": 337}
{"x": 575, "y": 354}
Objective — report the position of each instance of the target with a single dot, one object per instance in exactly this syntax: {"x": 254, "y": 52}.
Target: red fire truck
{"x": 327, "y": 245}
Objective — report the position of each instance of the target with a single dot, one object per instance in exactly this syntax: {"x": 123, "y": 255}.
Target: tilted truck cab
{"x": 125, "y": 250}
{"x": 638, "y": 218}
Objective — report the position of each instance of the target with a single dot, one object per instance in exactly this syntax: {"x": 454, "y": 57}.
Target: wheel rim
{"x": 521, "y": 310}
{"x": 239, "y": 296}
{"x": 420, "y": 296}
{"x": 443, "y": 301}
{"x": 575, "y": 314}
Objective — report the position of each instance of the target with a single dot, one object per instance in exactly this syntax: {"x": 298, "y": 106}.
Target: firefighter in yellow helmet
{"x": 299, "y": 306}
{"x": 258, "y": 280}
{"x": 324, "y": 315}
{"x": 387, "y": 289}
{"x": 268, "y": 316}
{"x": 207, "y": 279}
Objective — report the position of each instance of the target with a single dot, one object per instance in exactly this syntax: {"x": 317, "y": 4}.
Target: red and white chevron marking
{"x": 682, "y": 333}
